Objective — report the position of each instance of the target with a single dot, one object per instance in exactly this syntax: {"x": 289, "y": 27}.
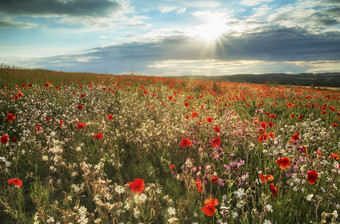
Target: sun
{"x": 214, "y": 25}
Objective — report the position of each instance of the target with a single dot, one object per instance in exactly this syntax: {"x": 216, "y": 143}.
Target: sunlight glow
{"x": 214, "y": 25}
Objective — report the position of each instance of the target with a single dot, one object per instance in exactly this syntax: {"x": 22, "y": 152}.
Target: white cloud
{"x": 253, "y": 2}
{"x": 261, "y": 11}
{"x": 181, "y": 10}
{"x": 167, "y": 9}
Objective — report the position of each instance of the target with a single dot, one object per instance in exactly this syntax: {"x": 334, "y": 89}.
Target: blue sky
{"x": 167, "y": 37}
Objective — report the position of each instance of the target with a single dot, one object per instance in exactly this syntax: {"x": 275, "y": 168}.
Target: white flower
{"x": 136, "y": 213}
{"x": 335, "y": 214}
{"x": 309, "y": 197}
{"x": 269, "y": 208}
{"x": 239, "y": 192}
{"x": 171, "y": 211}
{"x": 266, "y": 221}
{"x": 235, "y": 215}
{"x": 173, "y": 220}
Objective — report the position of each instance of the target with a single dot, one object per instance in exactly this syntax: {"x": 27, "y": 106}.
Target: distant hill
{"x": 303, "y": 79}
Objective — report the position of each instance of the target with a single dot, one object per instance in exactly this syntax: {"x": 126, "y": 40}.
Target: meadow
{"x": 88, "y": 148}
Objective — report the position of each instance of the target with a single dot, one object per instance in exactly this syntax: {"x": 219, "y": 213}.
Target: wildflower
{"x": 214, "y": 179}
{"x": 186, "y": 104}
{"x": 271, "y": 135}
{"x": 38, "y": 128}
{"x": 61, "y": 123}
{"x": 82, "y": 95}
{"x": 194, "y": 114}
{"x": 295, "y": 137}
{"x": 292, "y": 116}
{"x": 4, "y": 139}
{"x": 199, "y": 185}
{"x": 81, "y": 125}
{"x": 270, "y": 124}
{"x": 14, "y": 139}
{"x": 266, "y": 221}
{"x": 263, "y": 124}
{"x": 10, "y": 117}
{"x": 209, "y": 209}
{"x": 137, "y": 186}
{"x": 312, "y": 176}
{"x": 272, "y": 115}
{"x": 300, "y": 117}
{"x": 239, "y": 193}
{"x": 216, "y": 142}
{"x": 283, "y": 162}
{"x": 269, "y": 208}
{"x": 217, "y": 129}
{"x": 171, "y": 211}
{"x": 262, "y": 137}
{"x": 17, "y": 182}
{"x": 109, "y": 117}
{"x": 273, "y": 189}
{"x": 265, "y": 178}
{"x": 309, "y": 197}
{"x": 185, "y": 142}
{"x": 47, "y": 84}
{"x": 80, "y": 107}
{"x": 98, "y": 136}
{"x": 334, "y": 125}
{"x": 334, "y": 156}
{"x": 209, "y": 120}
{"x": 172, "y": 167}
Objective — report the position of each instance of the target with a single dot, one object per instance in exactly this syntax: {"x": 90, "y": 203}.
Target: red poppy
{"x": 312, "y": 176}
{"x": 98, "y": 136}
{"x": 263, "y": 124}
{"x": 334, "y": 156}
{"x": 137, "y": 186}
{"x": 324, "y": 112}
{"x": 300, "y": 117}
{"x": 82, "y": 95}
{"x": 109, "y": 117}
{"x": 295, "y": 137}
{"x": 17, "y": 182}
{"x": 292, "y": 116}
{"x": 209, "y": 120}
{"x": 38, "y": 128}
{"x": 80, "y": 107}
{"x": 273, "y": 189}
{"x": 185, "y": 142}
{"x": 272, "y": 115}
{"x": 209, "y": 209}
{"x": 81, "y": 125}
{"x": 270, "y": 124}
{"x": 4, "y": 139}
{"x": 61, "y": 123}
{"x": 271, "y": 135}
{"x": 216, "y": 142}
{"x": 217, "y": 129}
{"x": 186, "y": 104}
{"x": 14, "y": 139}
{"x": 199, "y": 185}
{"x": 262, "y": 137}
{"x": 283, "y": 162}
{"x": 172, "y": 167}
{"x": 47, "y": 84}
{"x": 194, "y": 114}
{"x": 10, "y": 117}
{"x": 334, "y": 125}
{"x": 47, "y": 119}
{"x": 265, "y": 178}
{"x": 318, "y": 152}
{"x": 214, "y": 179}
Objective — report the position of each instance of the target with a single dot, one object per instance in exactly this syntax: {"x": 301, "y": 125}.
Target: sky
{"x": 172, "y": 38}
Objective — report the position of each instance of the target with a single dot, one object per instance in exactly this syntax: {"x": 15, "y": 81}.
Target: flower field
{"x": 87, "y": 148}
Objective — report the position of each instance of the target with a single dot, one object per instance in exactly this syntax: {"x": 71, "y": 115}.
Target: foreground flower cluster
{"x": 86, "y": 148}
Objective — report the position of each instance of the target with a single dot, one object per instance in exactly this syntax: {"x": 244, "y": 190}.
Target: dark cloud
{"x": 276, "y": 44}
{"x": 280, "y": 44}
{"x": 59, "y": 7}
